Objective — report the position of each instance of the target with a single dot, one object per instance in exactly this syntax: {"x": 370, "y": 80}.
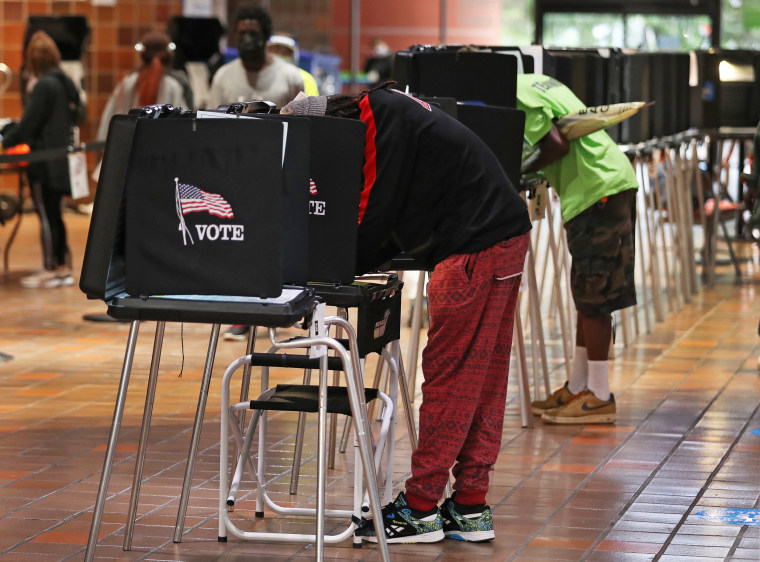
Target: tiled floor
{"x": 672, "y": 480}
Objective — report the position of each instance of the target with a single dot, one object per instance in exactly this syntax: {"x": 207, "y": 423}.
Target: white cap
{"x": 283, "y": 40}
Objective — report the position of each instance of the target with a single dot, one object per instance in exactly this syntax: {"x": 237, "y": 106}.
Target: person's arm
{"x": 551, "y": 148}
{"x": 34, "y": 117}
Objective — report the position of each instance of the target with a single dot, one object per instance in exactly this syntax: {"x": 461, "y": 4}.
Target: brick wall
{"x": 110, "y": 54}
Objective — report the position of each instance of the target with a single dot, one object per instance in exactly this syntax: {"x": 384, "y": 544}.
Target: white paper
{"x": 80, "y": 185}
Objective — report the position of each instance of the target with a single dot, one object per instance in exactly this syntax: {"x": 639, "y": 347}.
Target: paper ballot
{"x": 592, "y": 119}
{"x": 584, "y": 122}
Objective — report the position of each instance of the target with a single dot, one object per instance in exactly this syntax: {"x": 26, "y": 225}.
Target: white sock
{"x": 579, "y": 374}
{"x": 599, "y": 379}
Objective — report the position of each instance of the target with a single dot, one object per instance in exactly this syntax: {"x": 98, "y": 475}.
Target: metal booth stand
{"x": 146, "y": 267}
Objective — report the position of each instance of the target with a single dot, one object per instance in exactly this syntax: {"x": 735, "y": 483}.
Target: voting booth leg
{"x": 659, "y": 213}
{"x": 414, "y": 338}
{"x": 406, "y": 394}
{"x": 651, "y": 236}
{"x": 675, "y": 219}
{"x": 684, "y": 186}
{"x": 564, "y": 327}
{"x": 537, "y": 325}
{"x": 700, "y": 183}
{"x": 298, "y": 449}
{"x": 150, "y": 395}
{"x": 249, "y": 347}
{"x": 526, "y": 415}
{"x": 113, "y": 438}
{"x": 642, "y": 263}
{"x": 331, "y": 445}
{"x": 193, "y": 452}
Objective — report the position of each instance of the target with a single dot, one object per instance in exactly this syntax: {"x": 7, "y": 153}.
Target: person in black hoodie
{"x": 434, "y": 190}
{"x": 51, "y": 111}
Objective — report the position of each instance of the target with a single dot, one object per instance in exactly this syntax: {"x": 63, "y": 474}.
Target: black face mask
{"x": 252, "y": 47}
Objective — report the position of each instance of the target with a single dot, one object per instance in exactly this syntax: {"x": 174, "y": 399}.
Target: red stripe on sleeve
{"x": 370, "y": 154}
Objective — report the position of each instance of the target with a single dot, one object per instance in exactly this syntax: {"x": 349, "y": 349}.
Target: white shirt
{"x": 278, "y": 82}
{"x": 124, "y": 98}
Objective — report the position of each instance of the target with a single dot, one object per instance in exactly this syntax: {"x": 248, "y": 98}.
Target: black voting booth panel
{"x": 502, "y": 129}
{"x": 634, "y": 86}
{"x": 336, "y": 164}
{"x": 105, "y": 261}
{"x": 288, "y": 235}
{"x": 203, "y": 203}
{"x": 668, "y": 89}
{"x": 489, "y": 78}
{"x": 719, "y": 100}
{"x": 295, "y": 199}
{"x": 70, "y": 33}
{"x": 196, "y": 38}
{"x": 585, "y": 71}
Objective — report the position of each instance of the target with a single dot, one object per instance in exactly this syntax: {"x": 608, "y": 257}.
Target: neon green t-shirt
{"x": 593, "y": 168}
{"x": 310, "y": 87}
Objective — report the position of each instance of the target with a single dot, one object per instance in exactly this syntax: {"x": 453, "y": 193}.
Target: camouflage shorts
{"x": 601, "y": 242}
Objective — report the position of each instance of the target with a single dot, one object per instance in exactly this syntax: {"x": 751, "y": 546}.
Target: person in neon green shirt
{"x": 597, "y": 186}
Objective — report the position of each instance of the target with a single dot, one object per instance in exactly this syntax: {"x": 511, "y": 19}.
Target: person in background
{"x": 597, "y": 186}
{"x": 153, "y": 83}
{"x": 52, "y": 110}
{"x": 285, "y": 46}
{"x": 434, "y": 190}
{"x": 256, "y": 74}
{"x": 379, "y": 65}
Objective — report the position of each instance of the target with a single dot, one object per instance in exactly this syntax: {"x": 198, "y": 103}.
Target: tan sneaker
{"x": 583, "y": 408}
{"x": 558, "y": 398}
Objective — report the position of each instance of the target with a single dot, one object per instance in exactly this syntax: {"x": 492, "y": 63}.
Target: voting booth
{"x": 206, "y": 217}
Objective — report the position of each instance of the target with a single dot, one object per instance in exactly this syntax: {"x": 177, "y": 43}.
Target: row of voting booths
{"x": 706, "y": 106}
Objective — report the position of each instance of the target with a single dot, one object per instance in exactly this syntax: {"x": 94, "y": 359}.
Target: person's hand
{"x": 7, "y": 127}
{"x": 18, "y": 149}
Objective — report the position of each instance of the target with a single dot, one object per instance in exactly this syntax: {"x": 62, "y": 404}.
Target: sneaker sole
{"x": 435, "y": 536}
{"x": 49, "y": 284}
{"x": 57, "y": 283}
{"x": 471, "y": 536}
{"x": 593, "y": 418}
{"x": 235, "y": 338}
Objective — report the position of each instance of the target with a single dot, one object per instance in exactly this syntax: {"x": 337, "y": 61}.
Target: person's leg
{"x": 41, "y": 206}
{"x": 598, "y": 334}
{"x": 455, "y": 363}
{"x": 54, "y": 215}
{"x": 579, "y": 374}
{"x": 481, "y": 446}
{"x": 57, "y": 271}
{"x": 601, "y": 243}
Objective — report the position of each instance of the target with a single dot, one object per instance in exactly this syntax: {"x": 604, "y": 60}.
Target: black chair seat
{"x": 305, "y": 398}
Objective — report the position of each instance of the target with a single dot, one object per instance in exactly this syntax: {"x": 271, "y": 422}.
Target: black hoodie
{"x": 432, "y": 188}
{"x": 50, "y": 113}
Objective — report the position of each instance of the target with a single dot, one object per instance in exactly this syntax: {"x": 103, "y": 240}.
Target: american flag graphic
{"x": 312, "y": 187}
{"x": 195, "y": 200}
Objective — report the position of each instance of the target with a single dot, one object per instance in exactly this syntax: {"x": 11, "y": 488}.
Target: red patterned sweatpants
{"x": 471, "y": 298}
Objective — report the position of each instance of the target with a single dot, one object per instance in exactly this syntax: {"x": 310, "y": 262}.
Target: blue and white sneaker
{"x": 404, "y": 524}
{"x": 471, "y": 523}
